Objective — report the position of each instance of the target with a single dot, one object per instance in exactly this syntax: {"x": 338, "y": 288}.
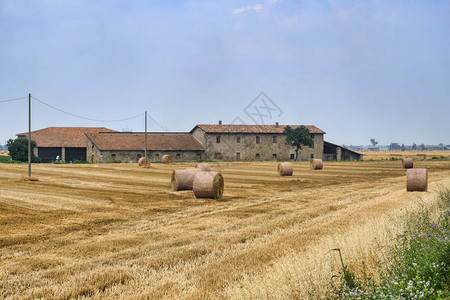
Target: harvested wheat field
{"x": 416, "y": 155}
{"x": 118, "y": 231}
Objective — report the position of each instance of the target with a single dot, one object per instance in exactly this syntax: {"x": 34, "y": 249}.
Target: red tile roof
{"x": 62, "y": 136}
{"x": 251, "y": 128}
{"x": 136, "y": 141}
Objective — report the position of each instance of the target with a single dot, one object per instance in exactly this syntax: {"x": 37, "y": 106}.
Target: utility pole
{"x": 29, "y": 135}
{"x": 145, "y": 138}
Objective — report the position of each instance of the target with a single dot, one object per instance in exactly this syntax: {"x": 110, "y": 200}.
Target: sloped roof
{"x": 328, "y": 144}
{"x": 62, "y": 136}
{"x": 251, "y": 128}
{"x": 136, "y": 141}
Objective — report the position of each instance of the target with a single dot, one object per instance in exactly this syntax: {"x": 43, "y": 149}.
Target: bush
{"x": 18, "y": 150}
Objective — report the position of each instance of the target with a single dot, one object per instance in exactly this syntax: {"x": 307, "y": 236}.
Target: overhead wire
{"x": 15, "y": 99}
{"x": 85, "y": 118}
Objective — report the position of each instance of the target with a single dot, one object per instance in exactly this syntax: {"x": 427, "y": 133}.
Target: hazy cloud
{"x": 256, "y": 8}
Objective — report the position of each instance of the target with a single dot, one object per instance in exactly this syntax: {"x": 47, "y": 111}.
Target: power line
{"x": 15, "y": 99}
{"x": 157, "y": 123}
{"x": 81, "y": 117}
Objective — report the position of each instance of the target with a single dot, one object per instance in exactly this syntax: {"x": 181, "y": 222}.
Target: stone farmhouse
{"x": 254, "y": 142}
{"x": 218, "y": 142}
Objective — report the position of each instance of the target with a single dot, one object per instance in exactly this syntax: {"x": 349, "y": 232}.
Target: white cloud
{"x": 256, "y": 8}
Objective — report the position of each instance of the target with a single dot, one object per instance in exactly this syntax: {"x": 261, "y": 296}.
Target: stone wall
{"x": 95, "y": 155}
{"x": 244, "y": 146}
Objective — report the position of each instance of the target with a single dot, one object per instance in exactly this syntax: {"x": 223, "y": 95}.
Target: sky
{"x": 355, "y": 69}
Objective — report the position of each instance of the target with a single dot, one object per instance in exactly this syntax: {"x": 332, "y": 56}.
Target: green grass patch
{"x": 418, "y": 266}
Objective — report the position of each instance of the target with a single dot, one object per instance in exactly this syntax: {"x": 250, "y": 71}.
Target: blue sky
{"x": 356, "y": 69}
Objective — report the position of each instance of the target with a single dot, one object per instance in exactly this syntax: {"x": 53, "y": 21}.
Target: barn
{"x": 69, "y": 143}
{"x": 335, "y": 152}
{"x": 129, "y": 147}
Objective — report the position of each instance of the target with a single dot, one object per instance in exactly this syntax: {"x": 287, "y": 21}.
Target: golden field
{"x": 379, "y": 155}
{"x": 118, "y": 231}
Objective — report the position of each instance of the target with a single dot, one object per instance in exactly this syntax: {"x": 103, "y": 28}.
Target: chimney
{"x": 276, "y": 123}
{"x": 220, "y": 122}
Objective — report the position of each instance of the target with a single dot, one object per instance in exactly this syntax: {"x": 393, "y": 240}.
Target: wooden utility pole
{"x": 145, "y": 138}
{"x": 29, "y": 135}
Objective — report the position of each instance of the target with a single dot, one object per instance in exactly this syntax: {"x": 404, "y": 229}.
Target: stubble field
{"x": 118, "y": 231}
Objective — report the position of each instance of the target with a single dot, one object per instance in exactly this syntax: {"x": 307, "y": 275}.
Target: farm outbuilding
{"x": 335, "y": 152}
{"x": 69, "y": 143}
{"x": 130, "y": 147}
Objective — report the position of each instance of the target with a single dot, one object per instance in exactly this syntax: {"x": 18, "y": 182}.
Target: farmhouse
{"x": 69, "y": 143}
{"x": 254, "y": 142}
{"x": 129, "y": 147}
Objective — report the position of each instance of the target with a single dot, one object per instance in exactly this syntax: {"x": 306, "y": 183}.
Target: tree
{"x": 403, "y": 147}
{"x": 422, "y": 147}
{"x": 298, "y": 137}
{"x": 394, "y": 147}
{"x": 18, "y": 150}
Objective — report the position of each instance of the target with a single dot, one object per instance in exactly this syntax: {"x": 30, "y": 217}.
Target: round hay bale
{"x": 416, "y": 180}
{"x": 167, "y": 159}
{"x": 203, "y": 166}
{"x": 208, "y": 184}
{"x": 141, "y": 162}
{"x": 408, "y": 163}
{"x": 316, "y": 164}
{"x": 285, "y": 169}
{"x": 183, "y": 180}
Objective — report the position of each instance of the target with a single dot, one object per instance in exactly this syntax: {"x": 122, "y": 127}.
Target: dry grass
{"x": 117, "y": 231}
{"x": 416, "y": 155}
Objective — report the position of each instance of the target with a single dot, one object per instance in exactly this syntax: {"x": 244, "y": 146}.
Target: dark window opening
{"x": 217, "y": 155}
{"x": 199, "y": 156}
{"x": 156, "y": 157}
{"x": 274, "y": 138}
{"x": 274, "y": 156}
{"x": 113, "y": 156}
{"x": 238, "y": 139}
{"x": 178, "y": 157}
{"x": 257, "y": 156}
{"x": 292, "y": 156}
{"x": 238, "y": 155}
{"x": 258, "y": 139}
{"x": 312, "y": 155}
{"x": 218, "y": 139}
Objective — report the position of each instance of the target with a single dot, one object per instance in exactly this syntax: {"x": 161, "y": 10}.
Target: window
{"x": 156, "y": 157}
{"x": 292, "y": 156}
{"x": 257, "y": 156}
{"x": 138, "y": 157}
{"x": 312, "y": 155}
{"x": 217, "y": 155}
{"x": 312, "y": 135}
{"x": 113, "y": 156}
{"x": 178, "y": 156}
{"x": 274, "y": 138}
{"x": 274, "y": 156}
{"x": 238, "y": 155}
{"x": 218, "y": 139}
{"x": 238, "y": 139}
{"x": 258, "y": 139}
{"x": 199, "y": 156}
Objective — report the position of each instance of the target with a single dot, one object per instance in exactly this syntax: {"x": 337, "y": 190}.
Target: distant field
{"x": 118, "y": 231}
{"x": 401, "y": 154}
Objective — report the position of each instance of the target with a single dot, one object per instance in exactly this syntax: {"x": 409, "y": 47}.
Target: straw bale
{"x": 316, "y": 164}
{"x": 208, "y": 184}
{"x": 416, "y": 180}
{"x": 141, "y": 162}
{"x": 182, "y": 180}
{"x": 167, "y": 159}
{"x": 203, "y": 166}
{"x": 408, "y": 163}
{"x": 285, "y": 169}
